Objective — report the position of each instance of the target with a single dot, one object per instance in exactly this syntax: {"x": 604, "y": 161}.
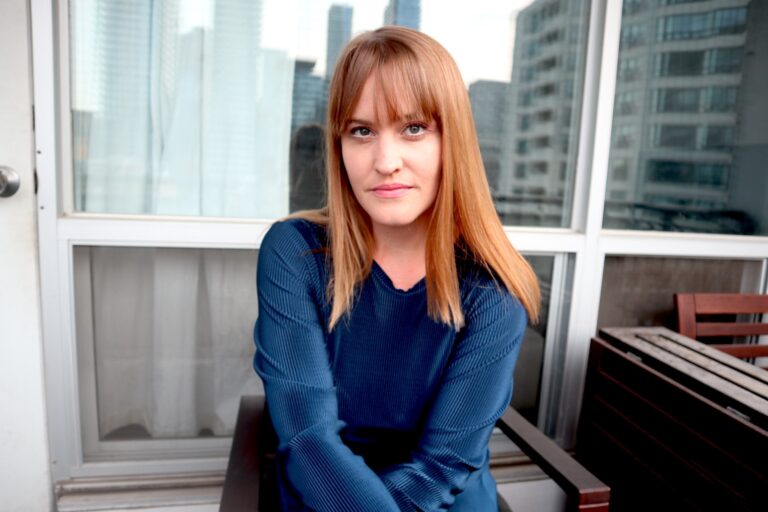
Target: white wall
{"x": 24, "y": 472}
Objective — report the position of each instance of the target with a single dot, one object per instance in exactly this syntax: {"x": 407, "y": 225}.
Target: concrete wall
{"x": 24, "y": 473}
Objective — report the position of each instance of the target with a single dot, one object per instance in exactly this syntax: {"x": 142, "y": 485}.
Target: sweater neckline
{"x": 386, "y": 281}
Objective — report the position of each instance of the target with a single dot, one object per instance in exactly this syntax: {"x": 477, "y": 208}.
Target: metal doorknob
{"x": 9, "y": 181}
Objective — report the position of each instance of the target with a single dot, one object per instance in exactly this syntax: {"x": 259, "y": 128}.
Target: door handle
{"x": 9, "y": 181}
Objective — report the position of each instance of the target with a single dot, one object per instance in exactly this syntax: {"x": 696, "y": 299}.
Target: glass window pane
{"x": 555, "y": 274}
{"x": 695, "y": 95}
{"x": 638, "y": 291}
{"x": 525, "y": 397}
{"x": 683, "y": 63}
{"x": 164, "y": 340}
{"x": 536, "y": 115}
{"x": 216, "y": 107}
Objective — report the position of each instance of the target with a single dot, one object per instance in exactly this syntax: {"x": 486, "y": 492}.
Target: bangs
{"x": 403, "y": 93}
{"x": 401, "y": 87}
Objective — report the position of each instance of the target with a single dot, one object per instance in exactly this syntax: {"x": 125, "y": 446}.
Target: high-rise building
{"x": 678, "y": 118}
{"x": 309, "y": 90}
{"x": 538, "y": 152}
{"x": 121, "y": 96}
{"x": 750, "y": 181}
{"x": 181, "y": 120}
{"x": 308, "y": 114}
{"x": 339, "y": 34}
{"x": 406, "y": 13}
{"x": 235, "y": 140}
{"x": 488, "y": 99}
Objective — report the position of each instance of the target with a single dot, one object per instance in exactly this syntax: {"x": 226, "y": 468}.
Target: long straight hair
{"x": 410, "y": 69}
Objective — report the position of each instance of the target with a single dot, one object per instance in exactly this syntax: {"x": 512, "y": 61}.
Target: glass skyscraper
{"x": 406, "y": 13}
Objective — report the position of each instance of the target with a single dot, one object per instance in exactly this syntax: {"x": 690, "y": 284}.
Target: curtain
{"x": 169, "y": 333}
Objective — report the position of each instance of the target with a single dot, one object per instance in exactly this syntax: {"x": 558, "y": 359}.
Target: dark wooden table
{"x": 672, "y": 424}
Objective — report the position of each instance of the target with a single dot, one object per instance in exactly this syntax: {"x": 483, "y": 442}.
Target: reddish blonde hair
{"x": 411, "y": 69}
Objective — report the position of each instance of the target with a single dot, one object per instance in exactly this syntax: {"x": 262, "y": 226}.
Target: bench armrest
{"x": 583, "y": 490}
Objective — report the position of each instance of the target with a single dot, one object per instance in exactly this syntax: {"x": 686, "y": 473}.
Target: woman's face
{"x": 393, "y": 166}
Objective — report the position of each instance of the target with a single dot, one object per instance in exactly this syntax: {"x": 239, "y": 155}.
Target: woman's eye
{"x": 361, "y": 131}
{"x": 415, "y": 129}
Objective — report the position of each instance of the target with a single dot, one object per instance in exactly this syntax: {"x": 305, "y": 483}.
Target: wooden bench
{"x": 249, "y": 487}
{"x": 673, "y": 424}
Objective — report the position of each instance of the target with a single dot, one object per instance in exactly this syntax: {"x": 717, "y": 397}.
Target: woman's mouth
{"x": 391, "y": 191}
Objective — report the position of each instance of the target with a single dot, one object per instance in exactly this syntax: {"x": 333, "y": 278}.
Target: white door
{"x": 24, "y": 474}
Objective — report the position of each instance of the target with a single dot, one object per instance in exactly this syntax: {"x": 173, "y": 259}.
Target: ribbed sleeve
{"x": 292, "y": 360}
{"x": 411, "y": 390}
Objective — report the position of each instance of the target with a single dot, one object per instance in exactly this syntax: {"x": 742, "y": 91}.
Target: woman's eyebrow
{"x": 406, "y": 118}
{"x": 355, "y": 120}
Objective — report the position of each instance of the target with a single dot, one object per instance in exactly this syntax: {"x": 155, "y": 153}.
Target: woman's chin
{"x": 396, "y": 221}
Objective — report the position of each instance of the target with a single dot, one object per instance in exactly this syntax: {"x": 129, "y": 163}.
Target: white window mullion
{"x": 600, "y": 82}
{"x": 672, "y": 244}
{"x": 545, "y": 241}
{"x": 163, "y": 232}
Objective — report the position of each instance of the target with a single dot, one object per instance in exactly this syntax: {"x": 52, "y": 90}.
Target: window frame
{"x": 585, "y": 240}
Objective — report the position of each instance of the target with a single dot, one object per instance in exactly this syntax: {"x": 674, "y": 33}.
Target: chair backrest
{"x": 690, "y": 305}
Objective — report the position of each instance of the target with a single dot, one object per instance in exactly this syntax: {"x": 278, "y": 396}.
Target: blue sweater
{"x": 390, "y": 410}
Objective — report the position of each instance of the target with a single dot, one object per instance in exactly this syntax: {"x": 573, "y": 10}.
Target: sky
{"x": 478, "y": 33}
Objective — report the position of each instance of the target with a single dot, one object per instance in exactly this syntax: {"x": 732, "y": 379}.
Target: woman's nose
{"x": 388, "y": 158}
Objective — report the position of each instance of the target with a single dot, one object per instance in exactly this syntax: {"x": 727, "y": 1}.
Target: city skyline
{"x": 302, "y": 30}
{"x": 299, "y": 29}
{"x": 679, "y": 139}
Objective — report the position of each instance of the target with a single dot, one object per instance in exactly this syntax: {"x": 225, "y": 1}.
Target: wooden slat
{"x": 744, "y": 351}
{"x": 704, "y": 329}
{"x": 717, "y": 303}
{"x": 711, "y": 351}
{"x": 742, "y": 380}
{"x": 686, "y": 314}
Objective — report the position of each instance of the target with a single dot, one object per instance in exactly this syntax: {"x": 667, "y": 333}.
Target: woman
{"x": 390, "y": 322}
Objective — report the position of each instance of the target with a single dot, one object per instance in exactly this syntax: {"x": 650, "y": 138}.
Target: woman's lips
{"x": 391, "y": 191}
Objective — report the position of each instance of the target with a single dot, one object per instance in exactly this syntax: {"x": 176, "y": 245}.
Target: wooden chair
{"x": 691, "y": 305}
{"x": 249, "y": 484}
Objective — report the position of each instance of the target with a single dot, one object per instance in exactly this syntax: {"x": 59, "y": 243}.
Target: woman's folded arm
{"x": 475, "y": 391}
{"x": 292, "y": 360}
